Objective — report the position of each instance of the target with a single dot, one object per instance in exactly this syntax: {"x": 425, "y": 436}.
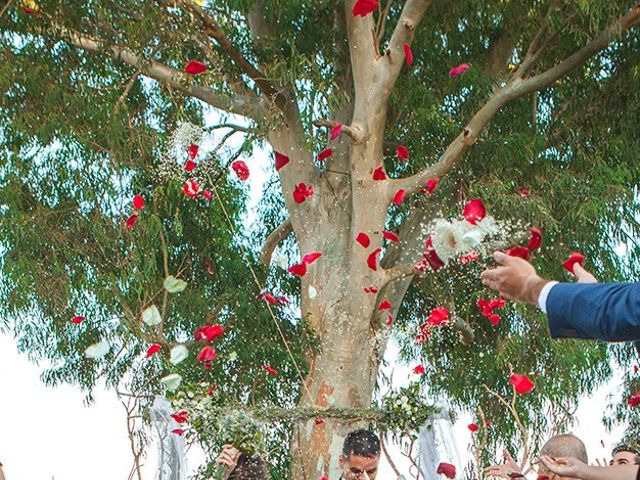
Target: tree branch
{"x": 517, "y": 88}
{"x": 242, "y": 105}
{"x": 278, "y": 235}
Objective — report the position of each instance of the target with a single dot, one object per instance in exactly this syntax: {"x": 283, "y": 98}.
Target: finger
{"x": 502, "y": 258}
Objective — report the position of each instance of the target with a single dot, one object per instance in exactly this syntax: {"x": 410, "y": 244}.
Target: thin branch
{"x": 352, "y": 131}
{"x": 6, "y": 6}
{"x": 467, "y": 335}
{"x": 382, "y": 23}
{"x": 278, "y": 235}
{"x": 386, "y": 454}
{"x": 126, "y": 91}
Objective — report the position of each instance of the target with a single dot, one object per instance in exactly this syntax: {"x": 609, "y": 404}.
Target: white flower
{"x": 151, "y": 316}
{"x": 488, "y": 226}
{"x": 472, "y": 238}
{"x": 447, "y": 237}
{"x": 178, "y": 354}
{"x": 174, "y": 285}
{"x": 313, "y": 293}
{"x": 97, "y": 350}
{"x": 171, "y": 381}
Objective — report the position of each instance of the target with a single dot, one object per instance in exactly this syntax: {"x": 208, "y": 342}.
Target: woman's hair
{"x": 249, "y": 468}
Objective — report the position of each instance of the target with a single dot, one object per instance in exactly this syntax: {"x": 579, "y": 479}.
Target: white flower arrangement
{"x": 451, "y": 239}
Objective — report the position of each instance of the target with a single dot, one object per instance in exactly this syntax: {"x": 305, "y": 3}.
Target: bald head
{"x": 565, "y": 445}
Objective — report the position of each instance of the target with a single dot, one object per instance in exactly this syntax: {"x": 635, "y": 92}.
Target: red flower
{"x": 419, "y": 370}
{"x": 207, "y": 194}
{"x": 447, "y": 470}
{"x": 181, "y": 416}
{"x": 335, "y": 131}
{"x": 378, "y": 174}
{"x": 299, "y": 270}
{"x": 178, "y": 431}
{"x": 191, "y": 188}
{"x": 372, "y": 259}
{"x": 324, "y": 154}
{"x": 392, "y": 237}
{"x": 431, "y": 185}
{"x": 521, "y": 383}
{"x": 459, "y": 70}
{"x": 439, "y": 315}
{"x": 207, "y": 354}
{"x": 408, "y": 54}
{"x": 281, "y": 160}
{"x": 78, "y": 319}
{"x": 473, "y": 427}
{"x": 138, "y": 202}
{"x": 189, "y": 166}
{"x": 309, "y": 258}
{"x": 519, "y": 252}
{"x": 398, "y": 198}
{"x": 535, "y": 240}
{"x": 153, "y": 349}
{"x": 302, "y": 192}
{"x": 363, "y": 239}
{"x": 193, "y": 151}
{"x": 131, "y": 221}
{"x": 195, "y": 67}
{"x": 241, "y": 169}
{"x": 402, "y": 152}
{"x": 574, "y": 258}
{"x": 371, "y": 289}
{"x": 364, "y": 7}
{"x": 634, "y": 400}
{"x": 269, "y": 370}
{"x": 384, "y": 305}
{"x": 208, "y": 332}
{"x": 474, "y": 211}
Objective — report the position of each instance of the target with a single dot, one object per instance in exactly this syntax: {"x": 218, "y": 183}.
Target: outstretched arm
{"x": 574, "y": 468}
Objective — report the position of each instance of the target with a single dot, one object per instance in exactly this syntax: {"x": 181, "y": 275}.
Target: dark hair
{"x": 249, "y": 468}
{"x": 626, "y": 448}
{"x": 361, "y": 442}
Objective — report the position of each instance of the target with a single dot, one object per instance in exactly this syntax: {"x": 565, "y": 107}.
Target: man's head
{"x": 624, "y": 455}
{"x": 565, "y": 445}
{"x": 360, "y": 455}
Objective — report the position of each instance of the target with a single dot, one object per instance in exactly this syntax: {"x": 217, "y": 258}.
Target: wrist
{"x": 532, "y": 288}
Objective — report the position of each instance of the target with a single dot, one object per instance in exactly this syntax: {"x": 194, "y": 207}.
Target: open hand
{"x": 514, "y": 279}
{"x": 505, "y": 470}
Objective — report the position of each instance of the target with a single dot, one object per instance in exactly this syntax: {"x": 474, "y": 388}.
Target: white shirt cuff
{"x": 544, "y": 293}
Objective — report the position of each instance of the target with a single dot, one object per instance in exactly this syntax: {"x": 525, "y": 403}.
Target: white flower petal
{"x": 472, "y": 238}
{"x": 97, "y": 350}
{"x": 174, "y": 285}
{"x": 151, "y": 316}
{"x": 171, "y": 381}
{"x": 178, "y": 354}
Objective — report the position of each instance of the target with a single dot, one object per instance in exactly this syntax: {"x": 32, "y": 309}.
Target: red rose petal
{"x": 434, "y": 261}
{"x": 389, "y": 321}
{"x": 447, "y": 470}
{"x": 372, "y": 259}
{"x": 402, "y": 152}
{"x": 207, "y": 194}
{"x": 241, "y": 169}
{"x": 193, "y": 151}
{"x": 27, "y": 10}
{"x": 472, "y": 256}
{"x": 438, "y": 316}
{"x": 131, "y": 221}
{"x": 195, "y": 67}
{"x": 300, "y": 269}
{"x": 574, "y": 258}
{"x": 384, "y": 305}
{"x": 336, "y": 131}
{"x": 634, "y": 400}
{"x": 398, "y": 198}
{"x": 138, "y": 202}
{"x": 390, "y": 236}
{"x": 521, "y": 383}
{"x": 309, "y": 258}
{"x": 474, "y": 211}
{"x": 318, "y": 421}
{"x": 379, "y": 174}
{"x": 180, "y": 417}
{"x": 524, "y": 192}
{"x": 207, "y": 354}
{"x": 281, "y": 160}
{"x": 191, "y": 188}
{"x": 494, "y": 318}
{"x": 364, "y": 7}
{"x": 153, "y": 349}
{"x": 431, "y": 185}
{"x": 178, "y": 431}
{"x": 78, "y": 319}
{"x": 301, "y": 192}
{"x": 459, "y": 70}
{"x": 269, "y": 370}
{"x": 535, "y": 240}
{"x": 473, "y": 427}
{"x": 209, "y": 332}
{"x": 419, "y": 370}
{"x": 519, "y": 252}
{"x": 371, "y": 289}
{"x": 324, "y": 154}
{"x": 189, "y": 166}
{"x": 363, "y": 239}
{"x": 408, "y": 54}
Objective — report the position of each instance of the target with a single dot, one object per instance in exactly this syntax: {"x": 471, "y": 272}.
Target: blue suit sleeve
{"x": 601, "y": 311}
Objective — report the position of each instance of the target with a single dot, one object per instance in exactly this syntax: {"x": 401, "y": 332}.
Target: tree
{"x": 94, "y": 90}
